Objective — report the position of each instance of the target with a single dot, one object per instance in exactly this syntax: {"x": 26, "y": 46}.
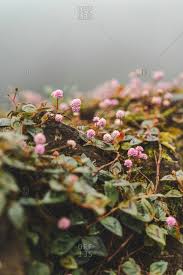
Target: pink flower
{"x": 63, "y": 107}
{"x": 168, "y": 96}
{"x": 115, "y": 134}
{"x": 58, "y": 118}
{"x": 128, "y": 163}
{"x": 145, "y": 93}
{"x": 156, "y": 100}
{"x": 39, "y": 149}
{"x": 101, "y": 123}
{"x": 114, "y": 102}
{"x": 71, "y": 143}
{"x": 96, "y": 119}
{"x": 158, "y": 75}
{"x": 139, "y": 149}
{"x": 107, "y": 138}
{"x": 118, "y": 122}
{"x": 76, "y": 105}
{"x": 171, "y": 221}
{"x": 90, "y": 134}
{"x": 166, "y": 102}
{"x": 40, "y": 138}
{"x": 64, "y": 223}
{"x": 142, "y": 156}
{"x": 132, "y": 152}
{"x": 57, "y": 93}
{"x": 120, "y": 114}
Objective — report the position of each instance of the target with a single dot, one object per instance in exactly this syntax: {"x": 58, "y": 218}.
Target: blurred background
{"x": 80, "y": 44}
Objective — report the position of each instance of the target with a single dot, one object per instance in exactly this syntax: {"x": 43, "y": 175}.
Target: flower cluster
{"x": 137, "y": 153}
{"x": 76, "y": 105}
{"x": 108, "y": 103}
{"x": 90, "y": 134}
{"x": 99, "y": 122}
{"x": 40, "y": 141}
{"x": 58, "y": 118}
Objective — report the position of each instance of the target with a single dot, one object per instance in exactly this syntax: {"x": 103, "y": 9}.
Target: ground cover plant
{"x": 94, "y": 185}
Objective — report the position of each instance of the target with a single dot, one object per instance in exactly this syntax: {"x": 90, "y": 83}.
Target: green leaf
{"x": 128, "y": 207}
{"x": 179, "y": 272}
{"x": 69, "y": 262}
{"x": 16, "y": 215}
{"x": 2, "y": 202}
{"x": 146, "y": 211}
{"x": 94, "y": 245}
{"x": 168, "y": 178}
{"x": 132, "y": 223}
{"x": 173, "y": 194}
{"x": 5, "y": 122}
{"x": 63, "y": 244}
{"x": 28, "y": 108}
{"x": 131, "y": 268}
{"x": 158, "y": 268}
{"x": 111, "y": 192}
{"x": 156, "y": 233}
{"x": 113, "y": 225}
{"x": 38, "y": 268}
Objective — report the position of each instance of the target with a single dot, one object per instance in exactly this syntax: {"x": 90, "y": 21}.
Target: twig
{"x": 120, "y": 248}
{"x": 107, "y": 164}
{"x": 158, "y": 163}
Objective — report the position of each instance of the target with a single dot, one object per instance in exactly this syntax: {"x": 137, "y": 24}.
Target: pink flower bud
{"x": 139, "y": 149}
{"x": 58, "y": 118}
{"x": 156, "y": 100}
{"x": 132, "y": 152}
{"x": 118, "y": 122}
{"x": 158, "y": 75}
{"x": 128, "y": 163}
{"x": 171, "y": 221}
{"x": 76, "y": 105}
{"x": 90, "y": 134}
{"x": 115, "y": 134}
{"x": 166, "y": 102}
{"x": 57, "y": 93}
{"x": 71, "y": 143}
{"x": 64, "y": 223}
{"x": 142, "y": 156}
{"x": 63, "y": 107}
{"x": 120, "y": 114}
{"x": 107, "y": 138}
{"x": 101, "y": 123}
{"x": 39, "y": 149}
{"x": 96, "y": 119}
{"x": 40, "y": 138}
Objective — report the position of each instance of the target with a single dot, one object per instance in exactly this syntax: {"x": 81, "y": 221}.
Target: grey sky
{"x": 43, "y": 42}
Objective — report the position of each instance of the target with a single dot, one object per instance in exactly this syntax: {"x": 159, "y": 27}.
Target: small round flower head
{"x": 63, "y": 107}
{"x": 40, "y": 138}
{"x": 76, "y": 105}
{"x": 128, "y": 163}
{"x": 107, "y": 138}
{"x": 114, "y": 102}
{"x": 156, "y": 100}
{"x": 120, "y": 114}
{"x": 55, "y": 153}
{"x": 132, "y": 152}
{"x": 142, "y": 156}
{"x": 101, "y": 123}
{"x": 58, "y": 118}
{"x": 57, "y": 93}
{"x": 96, "y": 119}
{"x": 166, "y": 102}
{"x": 139, "y": 149}
{"x": 90, "y": 134}
{"x": 71, "y": 143}
{"x": 168, "y": 95}
{"x": 118, "y": 122}
{"x": 115, "y": 134}
{"x": 158, "y": 75}
{"x": 171, "y": 221}
{"x": 72, "y": 179}
{"x": 145, "y": 93}
{"x": 39, "y": 149}
{"x": 64, "y": 223}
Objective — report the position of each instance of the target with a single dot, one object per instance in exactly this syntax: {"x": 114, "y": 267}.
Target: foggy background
{"x": 66, "y": 42}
